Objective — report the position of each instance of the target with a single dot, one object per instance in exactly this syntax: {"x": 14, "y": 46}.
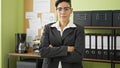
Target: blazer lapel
{"x": 57, "y": 35}
{"x": 67, "y": 32}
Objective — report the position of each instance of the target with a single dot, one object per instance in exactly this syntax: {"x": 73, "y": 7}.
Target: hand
{"x": 70, "y": 48}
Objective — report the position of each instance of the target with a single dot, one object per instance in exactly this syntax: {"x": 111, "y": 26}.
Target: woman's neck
{"x": 63, "y": 24}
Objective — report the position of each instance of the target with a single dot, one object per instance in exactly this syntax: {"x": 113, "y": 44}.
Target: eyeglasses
{"x": 65, "y": 8}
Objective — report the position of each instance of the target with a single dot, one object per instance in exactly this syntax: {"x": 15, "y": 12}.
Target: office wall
{"x": 87, "y": 5}
{"x": 20, "y": 16}
{"x": 0, "y": 35}
{"x": 12, "y": 20}
{"x": 9, "y": 22}
{"x": 96, "y": 4}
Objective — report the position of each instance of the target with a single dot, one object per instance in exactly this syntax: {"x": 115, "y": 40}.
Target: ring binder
{"x": 93, "y": 46}
{"x": 87, "y": 46}
{"x": 105, "y": 47}
{"x": 99, "y": 46}
{"x": 117, "y": 51}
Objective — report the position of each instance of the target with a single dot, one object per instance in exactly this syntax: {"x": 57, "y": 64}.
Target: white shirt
{"x": 70, "y": 24}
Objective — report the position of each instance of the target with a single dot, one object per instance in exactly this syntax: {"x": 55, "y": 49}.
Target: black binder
{"x": 111, "y": 47}
{"x": 82, "y": 18}
{"x": 116, "y": 18}
{"x": 105, "y": 47}
{"x": 99, "y": 46}
{"x": 117, "y": 47}
{"x": 102, "y": 18}
{"x": 93, "y": 46}
{"x": 87, "y": 46}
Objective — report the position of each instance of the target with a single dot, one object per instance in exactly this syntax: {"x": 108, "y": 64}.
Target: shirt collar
{"x": 70, "y": 24}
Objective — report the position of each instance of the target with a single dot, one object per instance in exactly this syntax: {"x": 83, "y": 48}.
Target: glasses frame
{"x": 64, "y": 8}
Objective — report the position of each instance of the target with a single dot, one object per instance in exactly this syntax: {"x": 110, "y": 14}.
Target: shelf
{"x": 116, "y": 62}
{"x": 96, "y": 60}
{"x": 102, "y": 27}
{"x": 100, "y": 60}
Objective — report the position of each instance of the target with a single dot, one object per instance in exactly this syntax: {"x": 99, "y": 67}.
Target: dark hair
{"x": 59, "y": 1}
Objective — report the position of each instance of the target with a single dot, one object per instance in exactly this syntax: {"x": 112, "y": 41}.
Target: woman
{"x": 62, "y": 43}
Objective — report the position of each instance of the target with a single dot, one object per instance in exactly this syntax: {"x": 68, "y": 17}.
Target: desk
{"x": 35, "y": 55}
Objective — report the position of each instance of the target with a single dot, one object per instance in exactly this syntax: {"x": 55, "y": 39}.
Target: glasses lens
{"x": 59, "y": 9}
{"x": 65, "y": 8}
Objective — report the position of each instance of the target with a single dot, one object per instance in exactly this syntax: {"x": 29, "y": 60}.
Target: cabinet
{"x": 113, "y": 32}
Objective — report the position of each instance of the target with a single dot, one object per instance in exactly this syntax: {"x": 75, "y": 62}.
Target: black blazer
{"x": 73, "y": 36}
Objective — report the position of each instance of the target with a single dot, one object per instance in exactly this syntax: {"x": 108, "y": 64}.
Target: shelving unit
{"x": 113, "y": 29}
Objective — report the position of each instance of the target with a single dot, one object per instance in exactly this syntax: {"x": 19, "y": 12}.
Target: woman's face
{"x": 63, "y": 11}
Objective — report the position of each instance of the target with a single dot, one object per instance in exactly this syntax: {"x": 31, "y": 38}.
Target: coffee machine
{"x": 20, "y": 43}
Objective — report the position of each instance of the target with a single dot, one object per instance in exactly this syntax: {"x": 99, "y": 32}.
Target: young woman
{"x": 62, "y": 42}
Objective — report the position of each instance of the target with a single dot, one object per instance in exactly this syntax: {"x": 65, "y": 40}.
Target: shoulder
{"x": 48, "y": 25}
{"x": 79, "y": 27}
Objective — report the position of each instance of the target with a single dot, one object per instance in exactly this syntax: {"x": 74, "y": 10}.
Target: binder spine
{"x": 99, "y": 46}
{"x": 111, "y": 47}
{"x": 105, "y": 47}
{"x": 117, "y": 47}
{"x": 93, "y": 46}
{"x": 87, "y": 46}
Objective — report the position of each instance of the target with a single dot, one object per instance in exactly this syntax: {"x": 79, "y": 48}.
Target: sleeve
{"x": 78, "y": 54}
{"x": 49, "y": 52}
